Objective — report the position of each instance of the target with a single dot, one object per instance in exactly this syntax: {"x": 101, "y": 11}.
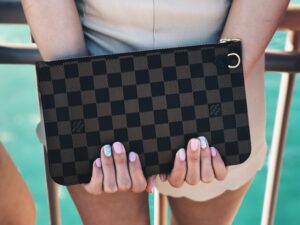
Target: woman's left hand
{"x": 199, "y": 163}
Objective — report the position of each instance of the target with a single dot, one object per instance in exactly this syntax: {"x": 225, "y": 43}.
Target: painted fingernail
{"x": 213, "y": 151}
{"x": 117, "y": 147}
{"x": 181, "y": 153}
{"x": 132, "y": 156}
{"x": 163, "y": 177}
{"x": 98, "y": 162}
{"x": 107, "y": 150}
{"x": 194, "y": 144}
{"x": 203, "y": 142}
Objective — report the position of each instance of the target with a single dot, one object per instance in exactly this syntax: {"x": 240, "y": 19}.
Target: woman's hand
{"x": 199, "y": 163}
{"x": 113, "y": 172}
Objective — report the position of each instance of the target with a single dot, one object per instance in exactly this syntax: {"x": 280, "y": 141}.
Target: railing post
{"x": 279, "y": 136}
{"x": 160, "y": 209}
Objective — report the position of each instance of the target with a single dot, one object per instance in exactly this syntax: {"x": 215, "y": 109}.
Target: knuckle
{"x": 205, "y": 154}
{"x": 136, "y": 172}
{"x": 93, "y": 190}
{"x": 121, "y": 160}
{"x": 107, "y": 162}
{"x": 110, "y": 188}
{"x": 175, "y": 183}
{"x": 192, "y": 180}
{"x": 140, "y": 187}
{"x": 125, "y": 185}
{"x": 207, "y": 174}
{"x": 207, "y": 179}
{"x": 193, "y": 156}
{"x": 221, "y": 176}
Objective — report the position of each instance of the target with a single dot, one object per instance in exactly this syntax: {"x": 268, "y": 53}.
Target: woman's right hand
{"x": 113, "y": 172}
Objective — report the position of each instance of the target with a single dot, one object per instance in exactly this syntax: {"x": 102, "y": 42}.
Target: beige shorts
{"x": 115, "y": 26}
{"x": 238, "y": 174}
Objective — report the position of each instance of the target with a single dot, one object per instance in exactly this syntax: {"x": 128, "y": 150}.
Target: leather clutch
{"x": 152, "y": 101}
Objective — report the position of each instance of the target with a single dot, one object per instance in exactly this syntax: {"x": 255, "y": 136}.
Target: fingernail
{"x": 107, "y": 150}
{"x": 132, "y": 156}
{"x": 203, "y": 142}
{"x": 163, "y": 177}
{"x": 194, "y": 144}
{"x": 181, "y": 153}
{"x": 117, "y": 147}
{"x": 213, "y": 151}
{"x": 98, "y": 162}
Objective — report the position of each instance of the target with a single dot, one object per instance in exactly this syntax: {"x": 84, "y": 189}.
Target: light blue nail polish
{"x": 107, "y": 150}
{"x": 203, "y": 142}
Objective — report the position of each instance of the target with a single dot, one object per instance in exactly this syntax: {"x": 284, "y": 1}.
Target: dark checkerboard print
{"x": 153, "y": 102}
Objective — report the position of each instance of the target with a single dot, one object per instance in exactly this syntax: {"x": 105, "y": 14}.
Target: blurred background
{"x": 19, "y": 116}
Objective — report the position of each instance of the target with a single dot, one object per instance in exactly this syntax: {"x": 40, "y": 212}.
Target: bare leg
{"x": 16, "y": 204}
{"x": 120, "y": 208}
{"x": 218, "y": 211}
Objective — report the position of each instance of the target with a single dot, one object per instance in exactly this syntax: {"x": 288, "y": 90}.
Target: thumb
{"x": 151, "y": 183}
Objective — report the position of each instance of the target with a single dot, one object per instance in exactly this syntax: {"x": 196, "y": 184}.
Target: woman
{"x": 200, "y": 188}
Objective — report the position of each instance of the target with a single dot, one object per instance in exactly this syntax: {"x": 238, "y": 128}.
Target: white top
{"x": 115, "y": 26}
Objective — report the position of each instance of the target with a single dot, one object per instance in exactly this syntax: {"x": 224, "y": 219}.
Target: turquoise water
{"x": 19, "y": 116}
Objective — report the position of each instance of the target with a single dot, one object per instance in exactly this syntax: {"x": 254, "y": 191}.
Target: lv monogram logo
{"x": 77, "y": 126}
{"x": 215, "y": 110}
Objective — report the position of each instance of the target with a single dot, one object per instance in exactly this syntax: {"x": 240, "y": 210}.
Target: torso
{"x": 112, "y": 26}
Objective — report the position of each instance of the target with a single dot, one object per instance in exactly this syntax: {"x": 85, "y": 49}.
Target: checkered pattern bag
{"x": 152, "y": 101}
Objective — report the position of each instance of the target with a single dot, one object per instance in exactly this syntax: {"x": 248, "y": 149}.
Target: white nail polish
{"x": 203, "y": 142}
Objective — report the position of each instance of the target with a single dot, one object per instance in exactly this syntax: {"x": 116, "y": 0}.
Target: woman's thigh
{"x": 120, "y": 208}
{"x": 218, "y": 211}
{"x": 16, "y": 203}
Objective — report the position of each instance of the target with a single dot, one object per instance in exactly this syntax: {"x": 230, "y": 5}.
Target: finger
{"x": 207, "y": 172}
{"x": 163, "y": 177}
{"x": 151, "y": 184}
{"x": 138, "y": 179}
{"x": 178, "y": 173}
{"x": 218, "y": 164}
{"x": 109, "y": 181}
{"x": 95, "y": 185}
{"x": 122, "y": 173}
{"x": 193, "y": 162}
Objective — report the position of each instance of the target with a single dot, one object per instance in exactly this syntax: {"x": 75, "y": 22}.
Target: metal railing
{"x": 287, "y": 62}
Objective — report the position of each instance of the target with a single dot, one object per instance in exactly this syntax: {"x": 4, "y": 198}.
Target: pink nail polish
{"x": 163, "y": 177}
{"x": 117, "y": 147}
{"x": 213, "y": 151}
{"x": 182, "y": 154}
{"x": 98, "y": 162}
{"x": 132, "y": 156}
{"x": 194, "y": 144}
